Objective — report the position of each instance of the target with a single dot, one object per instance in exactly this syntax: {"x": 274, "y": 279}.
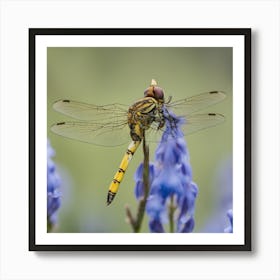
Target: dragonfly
{"x": 111, "y": 125}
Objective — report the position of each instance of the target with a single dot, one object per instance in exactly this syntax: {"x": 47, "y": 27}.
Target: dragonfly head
{"x": 154, "y": 91}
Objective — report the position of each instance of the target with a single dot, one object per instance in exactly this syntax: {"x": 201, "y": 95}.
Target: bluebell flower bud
{"x": 229, "y": 229}
{"x": 53, "y": 193}
{"x": 138, "y": 178}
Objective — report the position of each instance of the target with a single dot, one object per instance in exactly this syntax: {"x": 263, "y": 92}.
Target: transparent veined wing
{"x": 91, "y": 112}
{"x": 189, "y": 105}
{"x": 193, "y": 123}
{"x": 110, "y": 134}
{"x": 107, "y": 125}
{"x": 100, "y": 125}
{"x": 197, "y": 122}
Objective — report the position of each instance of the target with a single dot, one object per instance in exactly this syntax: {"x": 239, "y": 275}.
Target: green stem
{"x": 172, "y": 209}
{"x": 136, "y": 223}
{"x": 143, "y": 201}
{"x": 49, "y": 226}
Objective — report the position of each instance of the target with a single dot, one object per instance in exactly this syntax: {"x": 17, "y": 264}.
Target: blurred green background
{"x": 108, "y": 75}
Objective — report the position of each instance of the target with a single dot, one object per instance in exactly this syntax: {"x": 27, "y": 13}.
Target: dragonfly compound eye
{"x": 155, "y": 92}
{"x": 158, "y": 93}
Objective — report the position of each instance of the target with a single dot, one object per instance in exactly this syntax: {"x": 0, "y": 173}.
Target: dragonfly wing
{"x": 195, "y": 103}
{"x": 194, "y": 123}
{"x": 109, "y": 135}
{"x": 91, "y": 112}
{"x": 198, "y": 122}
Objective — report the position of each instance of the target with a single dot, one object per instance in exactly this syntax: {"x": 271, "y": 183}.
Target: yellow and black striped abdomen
{"x": 114, "y": 186}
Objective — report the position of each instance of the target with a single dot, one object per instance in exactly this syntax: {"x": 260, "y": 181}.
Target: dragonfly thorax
{"x": 142, "y": 114}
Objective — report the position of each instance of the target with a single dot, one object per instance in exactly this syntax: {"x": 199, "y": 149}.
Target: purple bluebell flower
{"x": 138, "y": 178}
{"x": 172, "y": 188}
{"x": 229, "y": 229}
{"x": 53, "y": 193}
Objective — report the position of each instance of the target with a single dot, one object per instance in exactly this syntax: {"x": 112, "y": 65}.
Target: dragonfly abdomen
{"x": 115, "y": 184}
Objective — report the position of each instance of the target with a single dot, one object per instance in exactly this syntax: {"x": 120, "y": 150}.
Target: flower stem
{"x": 137, "y": 222}
{"x": 143, "y": 201}
{"x": 172, "y": 209}
{"x": 49, "y": 226}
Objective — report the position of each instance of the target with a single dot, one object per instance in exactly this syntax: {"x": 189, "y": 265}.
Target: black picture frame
{"x": 35, "y": 33}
